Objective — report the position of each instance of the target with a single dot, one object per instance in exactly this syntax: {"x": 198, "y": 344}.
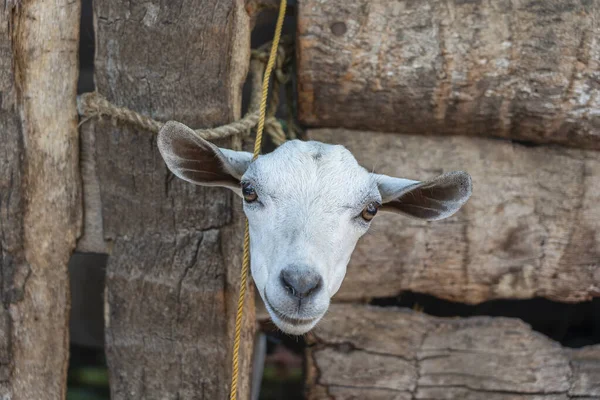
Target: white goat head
{"x": 307, "y": 204}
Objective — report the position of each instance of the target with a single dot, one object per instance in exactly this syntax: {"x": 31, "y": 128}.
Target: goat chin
{"x": 292, "y": 326}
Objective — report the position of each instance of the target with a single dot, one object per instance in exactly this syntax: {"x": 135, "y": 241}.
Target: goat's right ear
{"x": 198, "y": 161}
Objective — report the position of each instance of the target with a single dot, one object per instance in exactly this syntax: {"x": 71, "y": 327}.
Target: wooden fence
{"x": 525, "y": 71}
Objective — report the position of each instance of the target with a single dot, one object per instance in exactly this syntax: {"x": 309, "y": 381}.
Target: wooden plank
{"x": 40, "y": 203}
{"x": 172, "y": 275}
{"x": 525, "y": 70}
{"x": 365, "y": 352}
{"x": 531, "y": 228}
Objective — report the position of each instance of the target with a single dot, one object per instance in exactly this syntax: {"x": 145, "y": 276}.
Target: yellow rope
{"x": 246, "y": 260}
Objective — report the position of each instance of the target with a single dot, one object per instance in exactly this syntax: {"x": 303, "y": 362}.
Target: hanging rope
{"x": 94, "y": 105}
{"x": 246, "y": 259}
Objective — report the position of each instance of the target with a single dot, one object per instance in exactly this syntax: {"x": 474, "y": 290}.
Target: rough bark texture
{"x": 531, "y": 227}
{"x": 173, "y": 269}
{"x": 526, "y": 70}
{"x": 40, "y": 204}
{"x": 92, "y": 237}
{"x": 363, "y": 352}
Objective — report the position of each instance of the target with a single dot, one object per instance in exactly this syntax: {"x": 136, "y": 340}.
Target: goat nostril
{"x": 314, "y": 288}
{"x": 290, "y": 289}
{"x": 287, "y": 285}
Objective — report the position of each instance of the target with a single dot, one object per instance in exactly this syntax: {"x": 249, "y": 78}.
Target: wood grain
{"x": 364, "y": 352}
{"x": 525, "y": 70}
{"x": 173, "y": 269}
{"x": 40, "y": 202}
{"x": 531, "y": 227}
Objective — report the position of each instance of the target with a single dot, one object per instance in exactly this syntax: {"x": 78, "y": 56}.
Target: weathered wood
{"x": 525, "y": 70}
{"x": 173, "y": 269}
{"x": 40, "y": 210}
{"x": 92, "y": 237}
{"x": 364, "y": 352}
{"x": 531, "y": 228}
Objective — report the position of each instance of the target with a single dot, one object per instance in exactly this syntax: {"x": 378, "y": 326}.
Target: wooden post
{"x": 172, "y": 276}
{"x": 40, "y": 203}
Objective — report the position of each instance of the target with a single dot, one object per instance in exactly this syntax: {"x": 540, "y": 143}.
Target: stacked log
{"x": 507, "y": 91}
{"x": 365, "y": 352}
{"x": 530, "y": 229}
{"x": 525, "y": 70}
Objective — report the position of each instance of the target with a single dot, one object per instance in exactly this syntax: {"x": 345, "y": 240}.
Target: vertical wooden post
{"x": 174, "y": 263}
{"x": 40, "y": 203}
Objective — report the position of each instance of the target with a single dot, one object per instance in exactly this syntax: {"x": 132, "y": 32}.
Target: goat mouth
{"x": 286, "y": 318}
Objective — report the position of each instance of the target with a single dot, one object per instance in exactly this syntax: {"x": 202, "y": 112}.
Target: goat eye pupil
{"x": 369, "y": 212}
{"x": 249, "y": 192}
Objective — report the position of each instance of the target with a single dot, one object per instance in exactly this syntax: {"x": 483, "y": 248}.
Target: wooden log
{"x": 525, "y": 70}
{"x": 172, "y": 275}
{"x": 531, "y": 228}
{"x": 365, "y": 352}
{"x": 40, "y": 203}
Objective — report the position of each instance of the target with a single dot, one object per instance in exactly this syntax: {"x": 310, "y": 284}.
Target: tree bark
{"x": 40, "y": 203}
{"x": 530, "y": 229}
{"x": 525, "y": 70}
{"x": 172, "y": 276}
{"x": 364, "y": 352}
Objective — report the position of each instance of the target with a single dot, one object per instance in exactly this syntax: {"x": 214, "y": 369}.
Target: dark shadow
{"x": 88, "y": 374}
{"x": 573, "y": 325}
{"x": 86, "y": 49}
{"x": 283, "y": 374}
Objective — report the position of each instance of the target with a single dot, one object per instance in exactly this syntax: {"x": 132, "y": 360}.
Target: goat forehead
{"x": 310, "y": 155}
{"x": 309, "y": 167}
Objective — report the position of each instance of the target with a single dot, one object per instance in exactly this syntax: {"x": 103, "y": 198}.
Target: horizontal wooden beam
{"x": 524, "y": 70}
{"x": 365, "y": 352}
{"x": 531, "y": 228}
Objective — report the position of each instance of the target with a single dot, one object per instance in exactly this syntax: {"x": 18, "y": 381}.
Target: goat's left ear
{"x": 432, "y": 200}
{"x": 198, "y": 161}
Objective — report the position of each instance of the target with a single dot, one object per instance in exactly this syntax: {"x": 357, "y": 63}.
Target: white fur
{"x": 311, "y": 196}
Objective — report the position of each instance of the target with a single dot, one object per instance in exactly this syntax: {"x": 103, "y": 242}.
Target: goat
{"x": 307, "y": 204}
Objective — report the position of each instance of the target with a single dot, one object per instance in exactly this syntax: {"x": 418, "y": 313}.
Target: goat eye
{"x": 249, "y": 192}
{"x": 369, "y": 212}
